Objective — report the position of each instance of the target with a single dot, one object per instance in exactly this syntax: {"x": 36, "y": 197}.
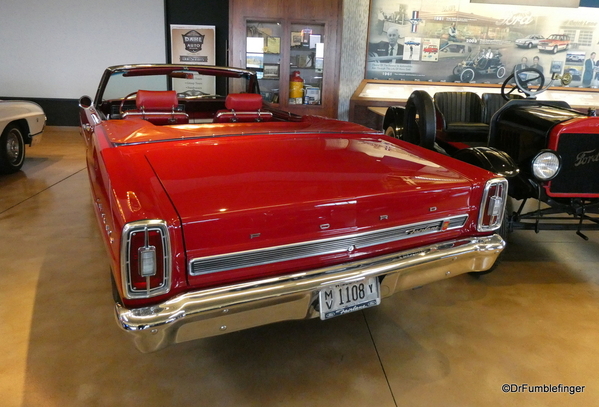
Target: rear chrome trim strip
{"x": 269, "y": 255}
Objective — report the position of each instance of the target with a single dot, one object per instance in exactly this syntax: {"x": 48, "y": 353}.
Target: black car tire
{"x": 467, "y": 75}
{"x": 393, "y": 123}
{"x": 12, "y": 149}
{"x": 420, "y": 120}
{"x": 500, "y": 72}
{"x": 555, "y": 49}
{"x": 529, "y": 45}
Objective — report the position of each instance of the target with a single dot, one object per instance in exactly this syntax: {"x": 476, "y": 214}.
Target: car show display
{"x": 548, "y": 151}
{"x": 220, "y": 212}
{"x": 21, "y": 123}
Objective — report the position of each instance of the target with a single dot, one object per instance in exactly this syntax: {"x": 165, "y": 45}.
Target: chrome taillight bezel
{"x": 494, "y": 199}
{"x": 145, "y": 226}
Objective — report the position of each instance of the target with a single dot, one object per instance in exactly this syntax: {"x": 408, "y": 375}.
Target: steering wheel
{"x": 123, "y": 102}
{"x": 420, "y": 120}
{"x": 522, "y": 79}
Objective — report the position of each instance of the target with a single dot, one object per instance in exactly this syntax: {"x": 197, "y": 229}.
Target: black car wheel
{"x": 12, "y": 149}
{"x": 393, "y": 123}
{"x": 529, "y": 45}
{"x": 555, "y": 49}
{"x": 500, "y": 72}
{"x": 420, "y": 120}
{"x": 467, "y": 75}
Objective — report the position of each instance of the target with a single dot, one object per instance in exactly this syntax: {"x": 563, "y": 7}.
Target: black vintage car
{"x": 485, "y": 62}
{"x": 548, "y": 151}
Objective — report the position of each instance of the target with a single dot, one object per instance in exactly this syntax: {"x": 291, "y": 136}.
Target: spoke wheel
{"x": 467, "y": 75}
{"x": 500, "y": 72}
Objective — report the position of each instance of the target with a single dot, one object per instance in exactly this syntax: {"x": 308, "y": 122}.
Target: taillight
{"x": 145, "y": 259}
{"x": 492, "y": 206}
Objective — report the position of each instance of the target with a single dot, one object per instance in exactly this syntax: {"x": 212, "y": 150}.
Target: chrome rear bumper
{"x": 235, "y": 307}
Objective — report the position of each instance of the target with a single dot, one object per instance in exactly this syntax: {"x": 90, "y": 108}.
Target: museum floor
{"x": 534, "y": 322}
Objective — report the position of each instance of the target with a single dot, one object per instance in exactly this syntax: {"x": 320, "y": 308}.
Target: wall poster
{"x": 194, "y": 45}
{"x": 460, "y": 41}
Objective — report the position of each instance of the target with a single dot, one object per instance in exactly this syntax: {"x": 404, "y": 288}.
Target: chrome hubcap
{"x": 13, "y": 147}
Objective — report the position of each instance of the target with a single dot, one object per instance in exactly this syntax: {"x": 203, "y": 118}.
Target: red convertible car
{"x": 221, "y": 213}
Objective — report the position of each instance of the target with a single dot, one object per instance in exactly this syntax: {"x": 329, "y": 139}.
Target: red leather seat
{"x": 242, "y": 107}
{"x": 158, "y": 107}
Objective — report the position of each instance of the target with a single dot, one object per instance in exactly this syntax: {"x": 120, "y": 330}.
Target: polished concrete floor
{"x": 534, "y": 321}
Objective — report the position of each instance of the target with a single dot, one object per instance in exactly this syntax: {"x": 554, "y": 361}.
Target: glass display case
{"x": 268, "y": 43}
{"x": 294, "y": 47}
{"x": 263, "y": 55}
{"x": 306, "y": 64}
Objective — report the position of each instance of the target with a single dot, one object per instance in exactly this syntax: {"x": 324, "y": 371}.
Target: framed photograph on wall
{"x": 273, "y": 45}
{"x": 254, "y": 60}
{"x": 296, "y": 38}
{"x": 271, "y": 71}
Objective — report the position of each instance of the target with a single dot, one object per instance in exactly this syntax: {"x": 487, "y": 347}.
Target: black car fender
{"x": 490, "y": 159}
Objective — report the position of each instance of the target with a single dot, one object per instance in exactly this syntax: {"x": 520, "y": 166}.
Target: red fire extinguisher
{"x": 296, "y": 88}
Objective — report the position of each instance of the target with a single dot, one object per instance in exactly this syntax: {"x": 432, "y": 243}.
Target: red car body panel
{"x": 227, "y": 189}
{"x": 584, "y": 126}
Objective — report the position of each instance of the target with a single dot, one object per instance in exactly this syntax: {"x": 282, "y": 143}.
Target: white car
{"x": 21, "y": 123}
{"x": 529, "y": 41}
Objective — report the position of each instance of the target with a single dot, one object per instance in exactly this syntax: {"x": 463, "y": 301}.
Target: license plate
{"x": 344, "y": 298}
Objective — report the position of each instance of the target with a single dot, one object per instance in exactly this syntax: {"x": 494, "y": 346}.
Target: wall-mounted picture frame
{"x": 271, "y": 71}
{"x": 443, "y": 41}
{"x": 254, "y": 60}
{"x": 296, "y": 38}
{"x": 273, "y": 45}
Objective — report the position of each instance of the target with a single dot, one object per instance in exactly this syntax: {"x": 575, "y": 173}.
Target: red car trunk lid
{"x": 248, "y": 192}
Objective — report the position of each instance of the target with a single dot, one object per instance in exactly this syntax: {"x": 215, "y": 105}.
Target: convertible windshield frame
{"x": 172, "y": 71}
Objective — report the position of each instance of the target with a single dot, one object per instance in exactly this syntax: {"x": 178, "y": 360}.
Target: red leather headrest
{"x": 156, "y": 100}
{"x": 243, "y": 102}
